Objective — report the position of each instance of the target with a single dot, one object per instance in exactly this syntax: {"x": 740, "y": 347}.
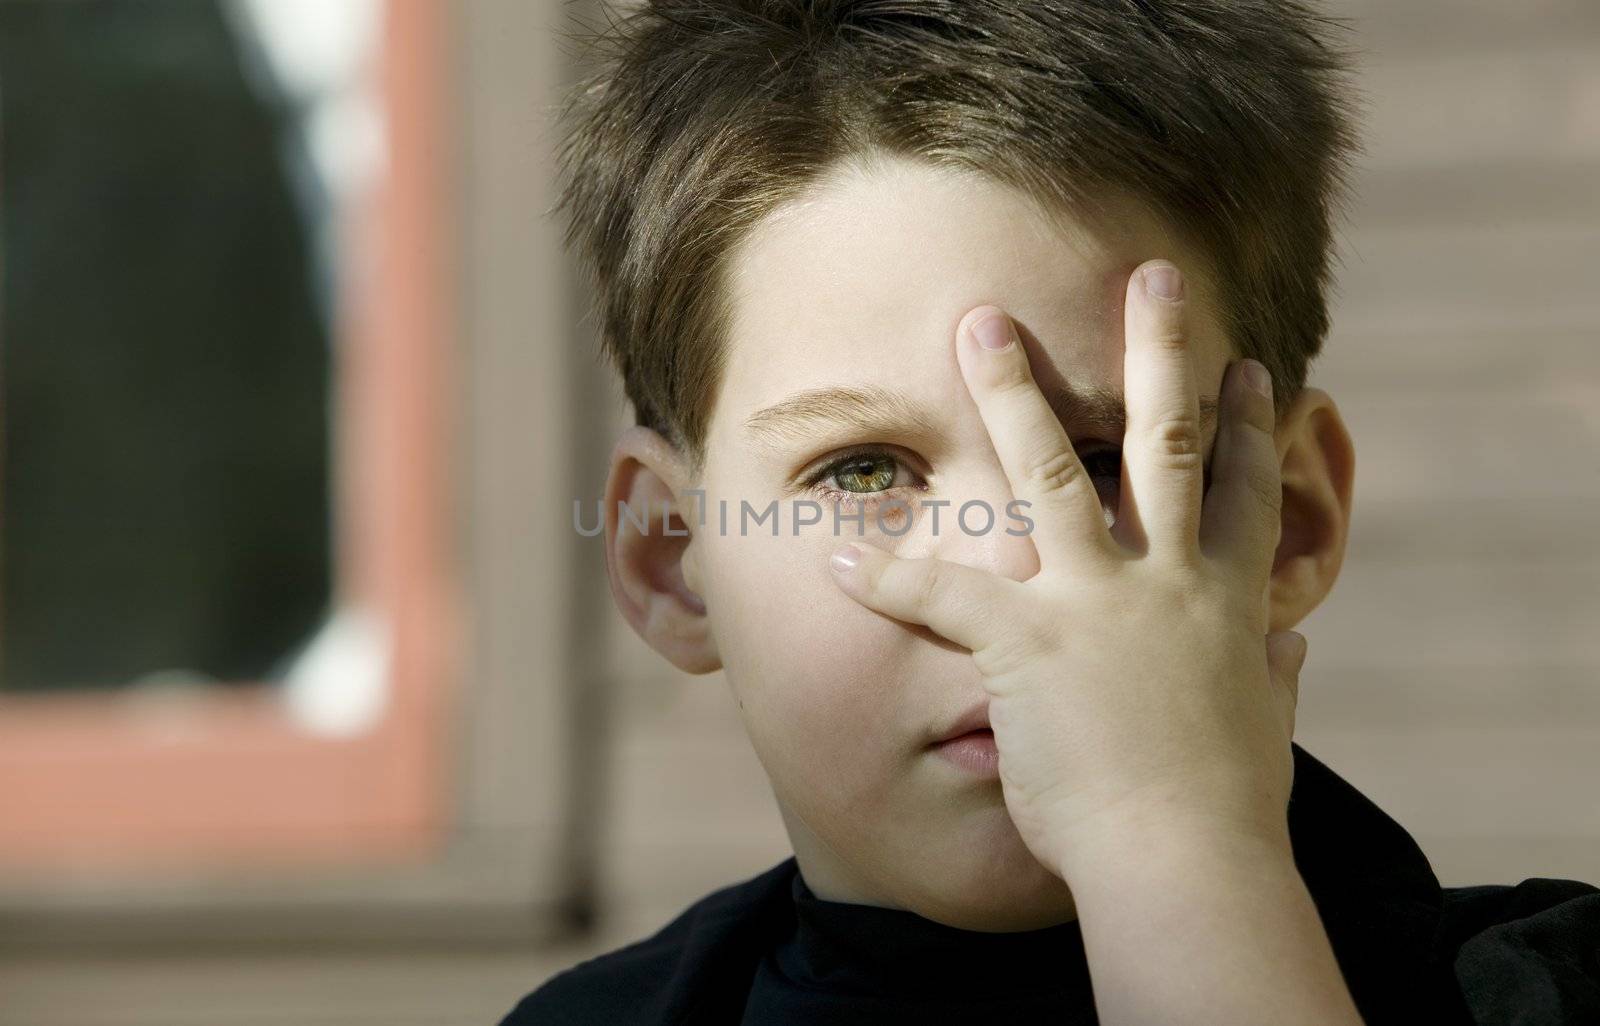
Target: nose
{"x": 982, "y": 529}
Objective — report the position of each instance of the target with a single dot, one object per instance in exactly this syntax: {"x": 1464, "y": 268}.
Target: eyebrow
{"x": 874, "y": 410}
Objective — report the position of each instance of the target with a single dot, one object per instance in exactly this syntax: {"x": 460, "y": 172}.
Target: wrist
{"x": 1191, "y": 876}
{"x": 1157, "y": 840}
{"x": 1202, "y": 903}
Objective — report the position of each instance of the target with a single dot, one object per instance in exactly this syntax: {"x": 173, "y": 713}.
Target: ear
{"x": 650, "y": 550}
{"x": 1317, "y": 465}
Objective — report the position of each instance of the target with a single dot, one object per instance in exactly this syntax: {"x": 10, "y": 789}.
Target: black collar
{"x": 888, "y": 952}
{"x": 1374, "y": 889}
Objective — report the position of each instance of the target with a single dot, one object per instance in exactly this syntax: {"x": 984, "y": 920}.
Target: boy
{"x": 968, "y": 343}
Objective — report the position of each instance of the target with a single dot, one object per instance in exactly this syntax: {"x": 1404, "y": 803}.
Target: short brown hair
{"x": 1231, "y": 120}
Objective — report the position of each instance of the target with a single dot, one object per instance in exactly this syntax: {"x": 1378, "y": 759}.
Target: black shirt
{"x": 768, "y": 950}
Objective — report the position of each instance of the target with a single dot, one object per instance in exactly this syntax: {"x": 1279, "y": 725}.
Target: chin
{"x": 1028, "y": 901}
{"x": 994, "y": 884}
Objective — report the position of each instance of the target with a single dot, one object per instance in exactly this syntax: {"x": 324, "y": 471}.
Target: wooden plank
{"x": 1499, "y": 194}
{"x": 1381, "y": 362}
{"x": 1522, "y": 280}
{"x": 1421, "y": 27}
{"x": 1461, "y": 614}
{"x": 1468, "y": 106}
{"x": 1497, "y": 530}
{"x": 1421, "y": 694}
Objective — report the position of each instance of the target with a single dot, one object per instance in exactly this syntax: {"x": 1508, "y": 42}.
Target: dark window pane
{"x": 164, "y": 358}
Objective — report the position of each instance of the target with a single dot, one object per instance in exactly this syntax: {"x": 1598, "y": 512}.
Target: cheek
{"x": 818, "y": 676}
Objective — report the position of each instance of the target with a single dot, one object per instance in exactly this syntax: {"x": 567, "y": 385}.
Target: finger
{"x": 1163, "y": 466}
{"x": 1241, "y": 522}
{"x": 1034, "y": 449}
{"x": 1286, "y": 657}
{"x": 962, "y": 603}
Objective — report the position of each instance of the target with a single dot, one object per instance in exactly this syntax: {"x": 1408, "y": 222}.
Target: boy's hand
{"x": 1133, "y": 690}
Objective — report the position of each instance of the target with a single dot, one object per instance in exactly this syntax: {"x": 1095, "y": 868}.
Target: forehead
{"x": 863, "y": 279}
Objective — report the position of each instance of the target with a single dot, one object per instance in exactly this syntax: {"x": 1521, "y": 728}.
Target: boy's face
{"x": 860, "y": 286}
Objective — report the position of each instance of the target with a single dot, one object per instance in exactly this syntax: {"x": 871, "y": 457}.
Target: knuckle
{"x": 998, "y": 658}
{"x": 1009, "y": 377}
{"x": 1034, "y": 637}
{"x": 928, "y": 584}
{"x": 1177, "y": 439}
{"x": 1264, "y": 483}
{"x": 1055, "y": 471}
{"x": 1235, "y": 603}
{"x": 1023, "y": 642}
{"x": 1167, "y": 334}
{"x": 1184, "y": 592}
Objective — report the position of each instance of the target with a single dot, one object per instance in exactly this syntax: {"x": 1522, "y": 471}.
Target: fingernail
{"x": 1257, "y": 377}
{"x": 993, "y": 332}
{"x": 1163, "y": 281}
{"x": 846, "y": 558}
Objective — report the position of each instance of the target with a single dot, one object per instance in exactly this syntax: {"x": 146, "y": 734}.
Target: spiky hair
{"x": 1231, "y": 120}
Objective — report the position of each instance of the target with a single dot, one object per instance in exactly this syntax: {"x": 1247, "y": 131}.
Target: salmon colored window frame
{"x": 94, "y": 780}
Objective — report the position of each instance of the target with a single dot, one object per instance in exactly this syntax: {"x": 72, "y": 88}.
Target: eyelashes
{"x": 865, "y": 477}
{"x": 879, "y": 467}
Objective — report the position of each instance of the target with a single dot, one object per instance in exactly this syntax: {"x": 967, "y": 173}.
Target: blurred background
{"x": 314, "y": 708}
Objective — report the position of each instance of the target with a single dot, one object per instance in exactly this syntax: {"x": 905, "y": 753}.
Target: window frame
{"x": 454, "y": 814}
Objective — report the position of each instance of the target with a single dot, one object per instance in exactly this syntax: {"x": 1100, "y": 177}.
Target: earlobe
{"x": 1318, "y": 474}
{"x": 650, "y": 556}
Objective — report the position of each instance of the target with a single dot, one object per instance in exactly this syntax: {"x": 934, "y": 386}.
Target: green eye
{"x": 869, "y": 473}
